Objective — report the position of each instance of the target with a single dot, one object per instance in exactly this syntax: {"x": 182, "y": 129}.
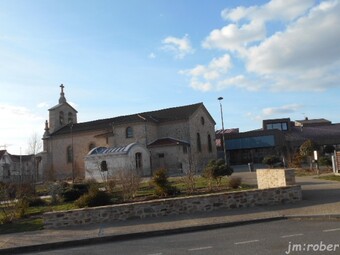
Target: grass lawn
{"x": 330, "y": 178}
{"x": 22, "y": 225}
{"x": 300, "y": 172}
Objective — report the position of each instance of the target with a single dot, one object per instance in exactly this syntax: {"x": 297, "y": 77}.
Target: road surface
{"x": 270, "y": 238}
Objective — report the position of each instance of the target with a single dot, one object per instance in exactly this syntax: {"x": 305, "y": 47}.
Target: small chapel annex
{"x": 178, "y": 139}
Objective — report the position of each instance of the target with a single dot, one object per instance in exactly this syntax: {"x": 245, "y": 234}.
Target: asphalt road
{"x": 278, "y": 237}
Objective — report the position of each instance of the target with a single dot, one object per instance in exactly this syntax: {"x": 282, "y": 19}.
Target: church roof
{"x": 167, "y": 141}
{"x": 112, "y": 150}
{"x": 2, "y": 152}
{"x": 158, "y": 116}
{"x": 61, "y": 104}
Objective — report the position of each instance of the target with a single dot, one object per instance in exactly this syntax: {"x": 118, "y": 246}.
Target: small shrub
{"x": 75, "y": 191}
{"x": 36, "y": 201}
{"x": 271, "y": 160}
{"x": 297, "y": 161}
{"x": 110, "y": 185}
{"x": 55, "y": 190}
{"x": 234, "y": 182}
{"x": 7, "y": 214}
{"x": 21, "y": 207}
{"x": 94, "y": 198}
{"x": 325, "y": 161}
{"x": 162, "y": 185}
{"x": 215, "y": 170}
{"x": 83, "y": 187}
{"x": 190, "y": 181}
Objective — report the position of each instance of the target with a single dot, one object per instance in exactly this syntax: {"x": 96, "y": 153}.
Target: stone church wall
{"x": 171, "y": 158}
{"x": 202, "y": 124}
{"x": 62, "y": 169}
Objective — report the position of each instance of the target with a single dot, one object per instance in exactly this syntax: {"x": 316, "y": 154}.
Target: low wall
{"x": 272, "y": 178}
{"x": 172, "y": 206}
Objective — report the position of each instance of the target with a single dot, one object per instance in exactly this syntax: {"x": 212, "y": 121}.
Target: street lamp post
{"x": 223, "y": 139}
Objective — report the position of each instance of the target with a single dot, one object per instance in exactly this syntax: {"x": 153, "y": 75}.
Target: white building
{"x": 102, "y": 162}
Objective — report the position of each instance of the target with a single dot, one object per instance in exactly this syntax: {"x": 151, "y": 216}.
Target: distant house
{"x": 279, "y": 137}
{"x": 15, "y": 168}
{"x": 177, "y": 138}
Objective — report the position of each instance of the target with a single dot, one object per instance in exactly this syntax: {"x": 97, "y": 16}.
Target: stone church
{"x": 178, "y": 139}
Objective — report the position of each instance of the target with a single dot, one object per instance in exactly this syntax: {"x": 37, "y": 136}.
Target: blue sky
{"x": 268, "y": 59}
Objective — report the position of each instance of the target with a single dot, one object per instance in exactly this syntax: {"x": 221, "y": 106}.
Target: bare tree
{"x": 129, "y": 180}
{"x": 190, "y": 174}
{"x": 34, "y": 144}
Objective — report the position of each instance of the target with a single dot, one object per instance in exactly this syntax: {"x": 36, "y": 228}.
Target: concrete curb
{"x": 129, "y": 236}
{"x": 314, "y": 217}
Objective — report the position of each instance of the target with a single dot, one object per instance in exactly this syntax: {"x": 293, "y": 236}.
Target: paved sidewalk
{"x": 320, "y": 199}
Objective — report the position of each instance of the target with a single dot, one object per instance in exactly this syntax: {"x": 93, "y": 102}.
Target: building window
{"x": 185, "y": 149}
{"x": 6, "y": 169}
{"x": 138, "y": 157}
{"x": 61, "y": 118}
{"x": 70, "y": 117}
{"x": 283, "y": 126}
{"x": 103, "y": 166}
{"x": 160, "y": 155}
{"x": 198, "y": 141}
{"x": 209, "y": 143}
{"x": 92, "y": 146}
{"x": 202, "y": 121}
{"x": 129, "y": 132}
{"x": 69, "y": 154}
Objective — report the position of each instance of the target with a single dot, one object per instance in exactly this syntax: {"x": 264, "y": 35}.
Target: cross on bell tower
{"x": 62, "y": 98}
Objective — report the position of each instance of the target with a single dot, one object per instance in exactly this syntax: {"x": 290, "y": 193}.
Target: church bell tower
{"x": 62, "y": 114}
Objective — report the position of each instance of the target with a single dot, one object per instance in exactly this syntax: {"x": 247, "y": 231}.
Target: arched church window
{"x": 129, "y": 132}
{"x": 198, "y": 141}
{"x": 70, "y": 117}
{"x": 61, "y": 118}
{"x": 138, "y": 158}
{"x": 103, "y": 166}
{"x": 69, "y": 154}
{"x": 202, "y": 120}
{"x": 209, "y": 143}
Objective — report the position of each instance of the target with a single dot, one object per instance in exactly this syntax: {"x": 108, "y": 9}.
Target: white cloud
{"x": 283, "y": 45}
{"x": 285, "y": 109}
{"x": 180, "y": 47}
{"x": 152, "y": 55}
{"x": 235, "y": 38}
{"x": 273, "y": 10}
{"x": 202, "y": 86}
{"x": 201, "y": 76}
{"x": 11, "y": 131}
{"x": 238, "y": 81}
{"x": 306, "y": 53}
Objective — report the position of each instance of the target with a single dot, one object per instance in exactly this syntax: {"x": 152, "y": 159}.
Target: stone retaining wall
{"x": 172, "y": 206}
